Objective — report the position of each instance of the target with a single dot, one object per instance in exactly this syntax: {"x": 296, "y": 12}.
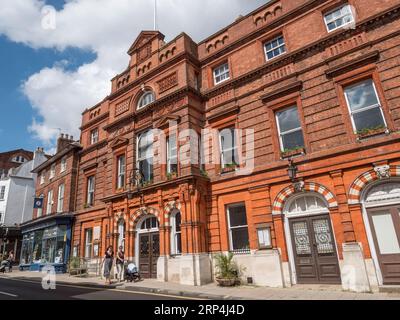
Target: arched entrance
{"x": 310, "y": 240}
{"x": 147, "y": 246}
{"x": 381, "y": 214}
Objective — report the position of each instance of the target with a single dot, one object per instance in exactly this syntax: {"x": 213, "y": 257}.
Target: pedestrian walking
{"x": 107, "y": 263}
{"x": 10, "y": 260}
{"x": 120, "y": 263}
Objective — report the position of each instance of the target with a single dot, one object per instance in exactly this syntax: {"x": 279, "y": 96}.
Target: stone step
{"x": 389, "y": 288}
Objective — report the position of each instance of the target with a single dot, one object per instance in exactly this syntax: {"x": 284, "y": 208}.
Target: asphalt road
{"x": 16, "y": 289}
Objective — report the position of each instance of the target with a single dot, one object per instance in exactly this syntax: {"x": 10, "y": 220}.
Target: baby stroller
{"x": 131, "y": 273}
{"x": 5, "y": 265}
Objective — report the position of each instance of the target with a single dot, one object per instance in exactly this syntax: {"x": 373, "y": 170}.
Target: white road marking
{"x": 8, "y": 294}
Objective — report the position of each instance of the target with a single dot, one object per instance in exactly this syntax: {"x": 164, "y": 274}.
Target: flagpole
{"x": 155, "y": 15}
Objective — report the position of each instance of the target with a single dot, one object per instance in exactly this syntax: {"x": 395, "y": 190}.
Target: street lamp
{"x": 292, "y": 170}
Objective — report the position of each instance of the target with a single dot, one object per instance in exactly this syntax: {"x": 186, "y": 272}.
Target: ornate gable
{"x": 164, "y": 121}
{"x": 143, "y": 38}
{"x": 118, "y": 142}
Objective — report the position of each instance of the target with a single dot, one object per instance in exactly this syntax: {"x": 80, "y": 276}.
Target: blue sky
{"x": 48, "y": 76}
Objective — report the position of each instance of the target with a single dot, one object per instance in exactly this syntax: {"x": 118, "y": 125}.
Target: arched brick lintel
{"x": 308, "y": 186}
{"x": 363, "y": 180}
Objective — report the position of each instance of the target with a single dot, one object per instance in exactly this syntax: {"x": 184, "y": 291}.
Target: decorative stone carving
{"x": 168, "y": 82}
{"x": 169, "y": 206}
{"x": 382, "y": 172}
{"x": 299, "y": 186}
{"x": 122, "y": 107}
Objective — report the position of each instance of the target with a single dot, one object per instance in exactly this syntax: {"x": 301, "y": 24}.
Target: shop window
{"x": 289, "y": 129}
{"x": 274, "y": 47}
{"x": 221, "y": 73}
{"x": 94, "y": 136}
{"x": 364, "y": 106}
{"x": 50, "y": 202}
{"x": 172, "y": 154}
{"x": 145, "y": 155}
{"x": 338, "y": 18}
{"x": 176, "y": 234}
{"x": 27, "y": 248}
{"x": 121, "y": 172}
{"x": 2, "y": 192}
{"x": 238, "y": 229}
{"x": 90, "y": 191}
{"x": 88, "y": 242}
{"x": 229, "y": 148}
{"x": 60, "y": 200}
{"x": 147, "y": 98}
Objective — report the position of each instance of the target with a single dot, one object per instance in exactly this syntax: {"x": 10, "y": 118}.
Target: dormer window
{"x": 147, "y": 98}
{"x": 19, "y": 159}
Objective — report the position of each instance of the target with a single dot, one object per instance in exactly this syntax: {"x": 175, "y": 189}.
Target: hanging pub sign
{"x": 38, "y": 203}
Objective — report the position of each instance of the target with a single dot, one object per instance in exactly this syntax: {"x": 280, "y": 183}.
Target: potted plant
{"x": 171, "y": 175}
{"x": 372, "y": 131}
{"x": 227, "y": 273}
{"x": 286, "y": 153}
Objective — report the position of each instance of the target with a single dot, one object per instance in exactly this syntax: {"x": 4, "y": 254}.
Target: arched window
{"x": 383, "y": 193}
{"x": 306, "y": 204}
{"x": 121, "y": 232}
{"x": 176, "y": 240}
{"x": 149, "y": 224}
{"x": 147, "y": 98}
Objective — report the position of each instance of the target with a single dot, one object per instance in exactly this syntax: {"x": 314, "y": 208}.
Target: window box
{"x": 229, "y": 168}
{"x": 171, "y": 175}
{"x": 370, "y": 132}
{"x": 287, "y": 153}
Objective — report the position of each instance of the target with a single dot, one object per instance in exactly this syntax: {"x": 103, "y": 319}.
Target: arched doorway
{"x": 310, "y": 240}
{"x": 147, "y": 246}
{"x": 381, "y": 214}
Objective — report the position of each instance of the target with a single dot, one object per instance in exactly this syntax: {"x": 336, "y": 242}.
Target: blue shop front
{"x": 46, "y": 241}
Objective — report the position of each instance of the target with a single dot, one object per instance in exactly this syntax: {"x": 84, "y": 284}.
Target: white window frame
{"x": 378, "y": 105}
{"x": 226, "y": 70}
{"x": 94, "y": 136}
{"x": 90, "y": 190}
{"x": 2, "y": 193}
{"x": 171, "y": 158}
{"x": 174, "y": 234}
{"x": 142, "y": 103}
{"x": 39, "y": 211}
{"x": 63, "y": 166}
{"x": 240, "y": 204}
{"x": 137, "y": 150}
{"x": 88, "y": 244}
{"x": 52, "y": 171}
{"x": 42, "y": 177}
{"x": 121, "y": 171}
{"x": 274, "y": 48}
{"x": 235, "y": 147}
{"x": 50, "y": 202}
{"x": 280, "y": 133}
{"x": 121, "y": 232}
{"x": 340, "y": 17}
{"x": 60, "y": 200}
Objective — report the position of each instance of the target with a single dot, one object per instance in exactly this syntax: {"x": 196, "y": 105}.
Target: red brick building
{"x": 13, "y": 159}
{"x": 314, "y": 81}
{"x": 47, "y": 237}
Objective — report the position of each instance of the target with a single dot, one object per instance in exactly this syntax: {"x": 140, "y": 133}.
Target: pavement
{"x": 149, "y": 289}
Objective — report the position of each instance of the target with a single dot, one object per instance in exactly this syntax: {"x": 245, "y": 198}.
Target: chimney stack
{"x": 63, "y": 141}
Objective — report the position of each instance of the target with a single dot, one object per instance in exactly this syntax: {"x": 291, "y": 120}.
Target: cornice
{"x": 292, "y": 87}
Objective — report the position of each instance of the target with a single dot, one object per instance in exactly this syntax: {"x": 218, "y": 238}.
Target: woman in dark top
{"x": 108, "y": 262}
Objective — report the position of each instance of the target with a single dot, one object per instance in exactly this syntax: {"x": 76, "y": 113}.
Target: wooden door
{"x": 149, "y": 251}
{"x": 314, "y": 250}
{"x": 385, "y": 228}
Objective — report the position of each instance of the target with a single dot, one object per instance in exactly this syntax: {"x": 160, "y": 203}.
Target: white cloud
{"x": 107, "y": 28}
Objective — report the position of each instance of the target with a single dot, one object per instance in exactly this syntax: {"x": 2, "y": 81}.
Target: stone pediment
{"x": 143, "y": 38}
{"x": 118, "y": 142}
{"x": 164, "y": 121}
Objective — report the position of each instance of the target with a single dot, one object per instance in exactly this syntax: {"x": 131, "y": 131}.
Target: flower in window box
{"x": 229, "y": 167}
{"x": 373, "y": 131}
{"x": 293, "y": 152}
{"x": 172, "y": 175}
